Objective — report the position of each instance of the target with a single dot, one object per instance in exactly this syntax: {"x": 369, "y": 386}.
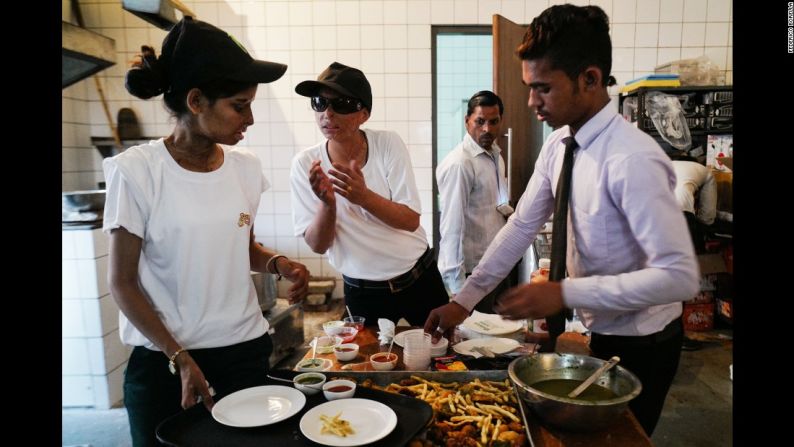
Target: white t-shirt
{"x": 695, "y": 180}
{"x": 364, "y": 247}
{"x": 194, "y": 265}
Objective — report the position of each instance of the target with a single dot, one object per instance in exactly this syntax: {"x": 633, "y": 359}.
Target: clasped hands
{"x": 347, "y": 181}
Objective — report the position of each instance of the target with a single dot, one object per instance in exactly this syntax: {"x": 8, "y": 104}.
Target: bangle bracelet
{"x": 172, "y": 366}
{"x": 274, "y": 261}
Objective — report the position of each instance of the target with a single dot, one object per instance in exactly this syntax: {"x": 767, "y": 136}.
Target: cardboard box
{"x": 711, "y": 263}
{"x": 698, "y": 317}
{"x": 724, "y": 190}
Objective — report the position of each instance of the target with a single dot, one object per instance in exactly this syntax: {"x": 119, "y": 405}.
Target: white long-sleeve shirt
{"x": 629, "y": 265}
{"x": 471, "y": 183}
{"x": 696, "y": 180}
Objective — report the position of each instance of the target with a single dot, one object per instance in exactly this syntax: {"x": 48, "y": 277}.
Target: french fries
{"x": 336, "y": 426}
{"x": 489, "y": 408}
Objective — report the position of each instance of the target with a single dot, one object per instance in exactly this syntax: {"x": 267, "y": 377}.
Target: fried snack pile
{"x": 336, "y": 426}
{"x": 472, "y": 414}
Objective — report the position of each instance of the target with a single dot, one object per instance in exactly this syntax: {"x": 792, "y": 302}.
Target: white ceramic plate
{"x": 491, "y": 324}
{"x": 370, "y": 420}
{"x": 260, "y": 405}
{"x": 399, "y": 339}
{"x": 495, "y": 345}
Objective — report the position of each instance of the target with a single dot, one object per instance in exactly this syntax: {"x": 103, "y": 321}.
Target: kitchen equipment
{"x": 127, "y": 124}
{"x": 566, "y": 413}
{"x": 160, "y": 13}
{"x": 604, "y": 368}
{"x": 80, "y": 201}
{"x": 266, "y": 290}
{"x": 83, "y": 52}
{"x": 195, "y": 426}
{"x": 286, "y": 329}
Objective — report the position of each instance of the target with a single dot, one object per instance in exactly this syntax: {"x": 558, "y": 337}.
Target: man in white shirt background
{"x": 696, "y": 194}
{"x": 473, "y": 194}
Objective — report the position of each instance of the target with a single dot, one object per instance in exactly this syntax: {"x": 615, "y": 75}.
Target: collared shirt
{"x": 629, "y": 265}
{"x": 471, "y": 183}
{"x": 696, "y": 180}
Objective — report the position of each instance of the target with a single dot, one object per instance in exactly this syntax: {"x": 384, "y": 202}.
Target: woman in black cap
{"x": 180, "y": 215}
{"x": 354, "y": 197}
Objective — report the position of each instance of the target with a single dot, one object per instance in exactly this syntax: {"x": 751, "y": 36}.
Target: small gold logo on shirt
{"x": 245, "y": 219}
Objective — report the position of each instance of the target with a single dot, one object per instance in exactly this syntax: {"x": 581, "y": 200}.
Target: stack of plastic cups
{"x": 416, "y": 351}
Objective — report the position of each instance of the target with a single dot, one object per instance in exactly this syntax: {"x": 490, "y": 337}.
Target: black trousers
{"x": 413, "y": 303}
{"x": 653, "y": 359}
{"x": 152, "y": 393}
{"x": 696, "y": 231}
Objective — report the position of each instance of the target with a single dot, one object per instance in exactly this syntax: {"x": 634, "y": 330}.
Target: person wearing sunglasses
{"x": 354, "y": 197}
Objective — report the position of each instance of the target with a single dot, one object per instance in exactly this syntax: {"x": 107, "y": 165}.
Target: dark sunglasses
{"x": 342, "y": 105}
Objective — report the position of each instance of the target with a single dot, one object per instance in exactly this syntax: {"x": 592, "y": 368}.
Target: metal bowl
{"x": 78, "y": 201}
{"x": 572, "y": 414}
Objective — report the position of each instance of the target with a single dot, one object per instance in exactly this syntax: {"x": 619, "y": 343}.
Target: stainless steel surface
{"x": 286, "y": 329}
{"x": 266, "y": 289}
{"x": 83, "y": 53}
{"x": 589, "y": 381}
{"x": 81, "y": 201}
{"x": 160, "y": 13}
{"x": 563, "y": 412}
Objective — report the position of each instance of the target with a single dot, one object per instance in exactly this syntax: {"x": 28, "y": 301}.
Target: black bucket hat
{"x": 196, "y": 52}
{"x": 342, "y": 79}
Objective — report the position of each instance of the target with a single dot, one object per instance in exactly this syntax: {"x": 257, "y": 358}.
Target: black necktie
{"x": 559, "y": 235}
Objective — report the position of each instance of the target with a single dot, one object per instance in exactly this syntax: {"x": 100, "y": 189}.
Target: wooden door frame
{"x": 435, "y": 30}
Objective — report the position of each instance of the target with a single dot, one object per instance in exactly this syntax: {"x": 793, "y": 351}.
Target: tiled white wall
{"x": 93, "y": 356}
{"x": 390, "y": 41}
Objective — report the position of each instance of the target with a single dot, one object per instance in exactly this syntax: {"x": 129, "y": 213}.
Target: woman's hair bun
{"x": 146, "y": 79}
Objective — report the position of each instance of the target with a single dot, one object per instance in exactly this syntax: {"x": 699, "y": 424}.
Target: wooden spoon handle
{"x": 606, "y": 366}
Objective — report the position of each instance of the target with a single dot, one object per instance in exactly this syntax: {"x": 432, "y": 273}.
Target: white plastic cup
{"x": 416, "y": 351}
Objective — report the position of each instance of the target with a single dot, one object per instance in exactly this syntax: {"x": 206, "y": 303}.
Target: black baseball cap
{"x": 196, "y": 52}
{"x": 342, "y": 79}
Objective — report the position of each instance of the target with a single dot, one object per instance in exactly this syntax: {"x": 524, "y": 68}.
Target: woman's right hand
{"x": 194, "y": 385}
{"x": 321, "y": 184}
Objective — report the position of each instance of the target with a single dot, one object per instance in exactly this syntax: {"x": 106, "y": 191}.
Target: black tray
{"x": 196, "y": 426}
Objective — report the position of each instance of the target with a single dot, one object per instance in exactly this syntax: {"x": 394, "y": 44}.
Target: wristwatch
{"x": 172, "y": 361}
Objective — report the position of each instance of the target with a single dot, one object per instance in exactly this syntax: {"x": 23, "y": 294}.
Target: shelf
{"x": 108, "y": 148}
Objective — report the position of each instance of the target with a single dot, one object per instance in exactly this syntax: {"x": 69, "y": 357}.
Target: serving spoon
{"x": 604, "y": 368}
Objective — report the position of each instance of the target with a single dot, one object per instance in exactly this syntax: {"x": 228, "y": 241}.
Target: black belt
{"x": 672, "y": 329}
{"x": 399, "y": 282}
